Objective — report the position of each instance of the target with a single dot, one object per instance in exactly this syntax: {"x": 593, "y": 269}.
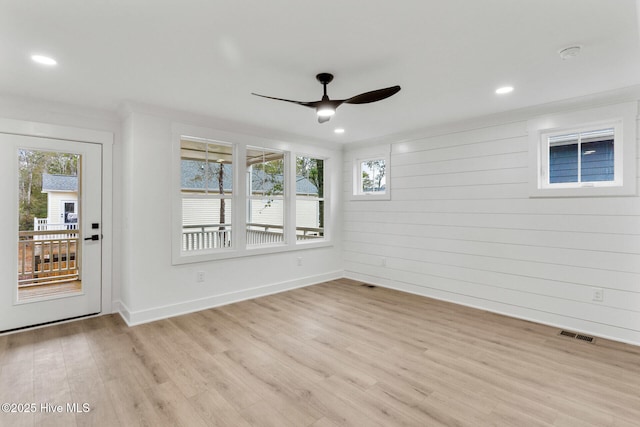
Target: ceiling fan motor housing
{"x": 324, "y": 78}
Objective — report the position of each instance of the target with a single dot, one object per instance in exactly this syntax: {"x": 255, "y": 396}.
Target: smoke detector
{"x": 569, "y": 52}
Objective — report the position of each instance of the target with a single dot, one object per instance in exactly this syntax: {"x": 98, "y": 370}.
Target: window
{"x": 206, "y": 184}
{"x": 583, "y": 158}
{"x": 584, "y": 153}
{"x": 235, "y": 199}
{"x": 310, "y": 204}
{"x": 371, "y": 175}
{"x": 265, "y": 196}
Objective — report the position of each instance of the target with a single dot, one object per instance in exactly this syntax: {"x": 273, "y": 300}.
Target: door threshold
{"x": 45, "y": 324}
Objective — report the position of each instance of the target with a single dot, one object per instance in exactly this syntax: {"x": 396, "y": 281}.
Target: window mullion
{"x": 239, "y": 198}
{"x": 290, "y": 199}
{"x": 580, "y": 158}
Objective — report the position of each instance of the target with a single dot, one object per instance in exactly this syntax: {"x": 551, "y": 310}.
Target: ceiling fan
{"x": 325, "y": 108}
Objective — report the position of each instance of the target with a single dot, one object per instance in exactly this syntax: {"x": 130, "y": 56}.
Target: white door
{"x": 51, "y": 269}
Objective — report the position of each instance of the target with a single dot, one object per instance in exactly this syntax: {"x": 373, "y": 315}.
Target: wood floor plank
{"x": 333, "y": 354}
{"x": 173, "y": 407}
{"x": 216, "y": 410}
{"x": 132, "y": 403}
{"x": 261, "y": 414}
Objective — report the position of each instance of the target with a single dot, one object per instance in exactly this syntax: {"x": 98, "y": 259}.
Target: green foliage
{"x": 313, "y": 170}
{"x": 272, "y": 178}
{"x": 32, "y": 202}
{"x": 367, "y": 182}
{"x": 378, "y": 167}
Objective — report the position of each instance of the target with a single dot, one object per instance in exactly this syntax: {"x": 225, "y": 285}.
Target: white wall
{"x": 461, "y": 227}
{"x": 153, "y": 287}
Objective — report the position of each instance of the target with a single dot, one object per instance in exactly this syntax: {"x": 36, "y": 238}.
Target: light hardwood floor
{"x": 327, "y": 355}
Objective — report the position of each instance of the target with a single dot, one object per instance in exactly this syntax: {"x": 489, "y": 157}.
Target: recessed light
{"x": 44, "y": 60}
{"x": 503, "y": 90}
{"x": 338, "y": 130}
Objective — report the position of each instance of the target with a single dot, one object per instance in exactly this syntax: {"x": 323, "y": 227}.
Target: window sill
{"x": 582, "y": 190}
{"x": 370, "y": 196}
{"x": 202, "y": 256}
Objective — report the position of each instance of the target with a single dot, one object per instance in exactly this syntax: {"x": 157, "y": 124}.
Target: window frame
{"x": 239, "y": 248}
{"x": 326, "y": 229}
{"x": 284, "y": 197}
{"x": 205, "y": 195}
{"x": 545, "y": 149}
{"x": 621, "y": 117}
{"x": 381, "y": 153}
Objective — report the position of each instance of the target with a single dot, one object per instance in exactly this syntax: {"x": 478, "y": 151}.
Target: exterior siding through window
{"x": 581, "y": 158}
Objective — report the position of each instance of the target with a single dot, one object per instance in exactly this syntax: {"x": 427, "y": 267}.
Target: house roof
{"x": 448, "y": 57}
{"x": 59, "y": 183}
{"x": 193, "y": 177}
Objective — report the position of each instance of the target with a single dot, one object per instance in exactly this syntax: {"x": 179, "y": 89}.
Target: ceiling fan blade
{"x": 305, "y": 104}
{"x": 373, "y": 96}
{"x": 326, "y": 107}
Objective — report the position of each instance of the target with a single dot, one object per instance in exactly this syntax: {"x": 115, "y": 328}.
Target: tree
{"x": 313, "y": 170}
{"x": 209, "y": 171}
{"x": 32, "y": 164}
{"x": 378, "y": 169}
{"x": 367, "y": 182}
{"x": 221, "y": 191}
{"x": 271, "y": 175}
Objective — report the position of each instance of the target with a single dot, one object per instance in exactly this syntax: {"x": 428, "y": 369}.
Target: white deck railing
{"x": 46, "y": 257}
{"x": 43, "y": 224}
{"x": 214, "y": 236}
{"x": 199, "y": 237}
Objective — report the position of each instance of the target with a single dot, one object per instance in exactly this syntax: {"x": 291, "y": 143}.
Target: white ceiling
{"x": 206, "y": 57}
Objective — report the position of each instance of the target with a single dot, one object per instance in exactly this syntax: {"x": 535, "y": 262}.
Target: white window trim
{"x": 622, "y": 117}
{"x": 286, "y": 200}
{"x": 325, "y": 197}
{"x": 239, "y": 198}
{"x": 618, "y": 158}
{"x": 379, "y": 153}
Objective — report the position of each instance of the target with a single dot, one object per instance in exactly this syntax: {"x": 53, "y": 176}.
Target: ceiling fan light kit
{"x": 325, "y": 108}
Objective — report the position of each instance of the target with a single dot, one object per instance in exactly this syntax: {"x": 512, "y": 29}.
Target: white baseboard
{"x": 550, "y": 319}
{"x": 133, "y": 318}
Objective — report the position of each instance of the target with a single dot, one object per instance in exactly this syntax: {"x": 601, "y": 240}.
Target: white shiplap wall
{"x": 460, "y": 226}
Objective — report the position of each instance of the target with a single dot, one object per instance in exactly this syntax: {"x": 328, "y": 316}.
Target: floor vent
{"x": 577, "y": 336}
{"x": 584, "y": 338}
{"x": 369, "y": 286}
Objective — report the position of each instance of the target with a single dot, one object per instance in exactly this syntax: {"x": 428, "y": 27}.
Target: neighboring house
{"x": 62, "y": 198}
{"x": 264, "y": 210}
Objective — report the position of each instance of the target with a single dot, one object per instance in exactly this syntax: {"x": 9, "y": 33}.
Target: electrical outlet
{"x": 200, "y": 276}
{"x": 299, "y": 261}
{"x": 598, "y": 294}
{"x": 383, "y": 262}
